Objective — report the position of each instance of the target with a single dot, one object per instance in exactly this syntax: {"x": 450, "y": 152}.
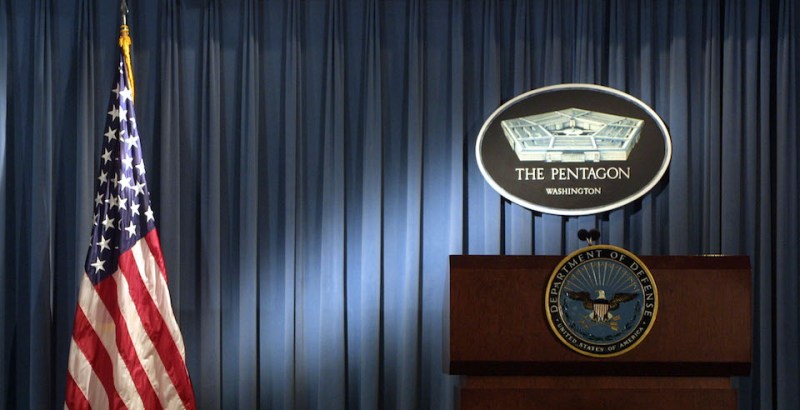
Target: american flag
{"x": 127, "y": 350}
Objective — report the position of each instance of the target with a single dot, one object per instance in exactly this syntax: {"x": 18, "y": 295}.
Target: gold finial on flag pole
{"x": 125, "y": 43}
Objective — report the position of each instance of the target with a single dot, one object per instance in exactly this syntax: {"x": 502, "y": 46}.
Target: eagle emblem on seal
{"x": 601, "y": 307}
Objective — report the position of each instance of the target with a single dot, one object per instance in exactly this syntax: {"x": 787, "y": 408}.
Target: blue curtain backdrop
{"x": 312, "y": 167}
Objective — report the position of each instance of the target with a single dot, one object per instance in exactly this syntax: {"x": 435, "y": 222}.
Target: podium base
{"x": 510, "y": 393}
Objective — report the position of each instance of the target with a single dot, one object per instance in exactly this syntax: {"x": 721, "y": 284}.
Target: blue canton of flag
{"x": 122, "y": 211}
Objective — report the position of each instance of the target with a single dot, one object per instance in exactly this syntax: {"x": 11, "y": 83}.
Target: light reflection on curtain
{"x": 5, "y": 275}
{"x": 312, "y": 167}
{"x": 785, "y": 217}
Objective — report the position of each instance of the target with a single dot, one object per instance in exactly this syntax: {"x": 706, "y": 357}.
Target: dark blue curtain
{"x": 312, "y": 167}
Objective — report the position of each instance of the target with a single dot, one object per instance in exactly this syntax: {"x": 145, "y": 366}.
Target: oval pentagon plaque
{"x": 573, "y": 149}
{"x": 601, "y": 301}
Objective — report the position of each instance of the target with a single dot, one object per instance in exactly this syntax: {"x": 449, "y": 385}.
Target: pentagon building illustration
{"x": 572, "y": 135}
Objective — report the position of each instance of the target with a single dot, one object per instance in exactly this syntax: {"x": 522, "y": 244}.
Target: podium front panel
{"x": 498, "y": 324}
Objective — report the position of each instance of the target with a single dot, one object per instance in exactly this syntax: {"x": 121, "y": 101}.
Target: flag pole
{"x": 125, "y": 42}
{"x": 123, "y": 10}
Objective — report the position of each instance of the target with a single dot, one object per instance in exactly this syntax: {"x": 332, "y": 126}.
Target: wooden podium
{"x": 501, "y": 341}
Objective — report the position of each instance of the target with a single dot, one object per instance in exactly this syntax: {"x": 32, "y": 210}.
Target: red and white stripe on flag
{"x": 127, "y": 350}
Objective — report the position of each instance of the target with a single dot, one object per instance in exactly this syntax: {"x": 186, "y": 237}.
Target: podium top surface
{"x": 549, "y": 261}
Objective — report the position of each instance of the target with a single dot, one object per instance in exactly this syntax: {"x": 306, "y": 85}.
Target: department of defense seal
{"x": 601, "y": 301}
